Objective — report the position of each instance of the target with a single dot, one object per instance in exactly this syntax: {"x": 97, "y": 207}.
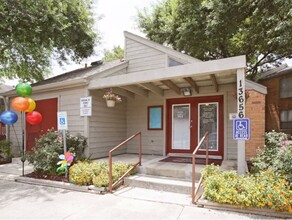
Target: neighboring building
{"x": 152, "y": 82}
{"x": 3, "y": 89}
{"x": 279, "y": 98}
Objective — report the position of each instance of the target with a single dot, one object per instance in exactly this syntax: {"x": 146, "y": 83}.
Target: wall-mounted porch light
{"x": 186, "y": 91}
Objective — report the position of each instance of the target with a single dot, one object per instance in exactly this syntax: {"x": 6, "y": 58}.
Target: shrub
{"x": 49, "y": 146}
{"x": 275, "y": 156}
{"x": 82, "y": 173}
{"x": 5, "y": 149}
{"x": 87, "y": 173}
{"x": 264, "y": 189}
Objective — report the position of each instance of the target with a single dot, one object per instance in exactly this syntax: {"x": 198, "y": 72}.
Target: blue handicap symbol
{"x": 62, "y": 121}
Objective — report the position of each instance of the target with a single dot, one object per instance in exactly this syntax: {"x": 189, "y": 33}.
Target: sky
{"x": 117, "y": 17}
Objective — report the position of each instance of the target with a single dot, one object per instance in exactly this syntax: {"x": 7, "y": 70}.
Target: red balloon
{"x": 34, "y": 117}
{"x": 20, "y": 104}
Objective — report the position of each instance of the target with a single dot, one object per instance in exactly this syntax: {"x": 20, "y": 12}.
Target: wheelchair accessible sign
{"x": 241, "y": 129}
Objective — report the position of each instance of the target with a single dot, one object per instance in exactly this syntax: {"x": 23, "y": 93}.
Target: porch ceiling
{"x": 202, "y": 74}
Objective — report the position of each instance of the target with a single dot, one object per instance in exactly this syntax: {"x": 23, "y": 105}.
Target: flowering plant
{"x": 109, "y": 95}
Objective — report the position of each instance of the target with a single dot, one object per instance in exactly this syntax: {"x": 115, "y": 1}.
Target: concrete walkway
{"x": 23, "y": 201}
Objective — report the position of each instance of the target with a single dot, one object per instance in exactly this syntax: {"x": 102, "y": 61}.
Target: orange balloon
{"x": 31, "y": 106}
{"x": 20, "y": 104}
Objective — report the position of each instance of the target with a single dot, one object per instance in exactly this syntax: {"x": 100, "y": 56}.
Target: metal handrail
{"x": 110, "y": 163}
{"x": 206, "y": 137}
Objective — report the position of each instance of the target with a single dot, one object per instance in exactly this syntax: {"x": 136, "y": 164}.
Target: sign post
{"x": 63, "y": 125}
{"x": 241, "y": 163}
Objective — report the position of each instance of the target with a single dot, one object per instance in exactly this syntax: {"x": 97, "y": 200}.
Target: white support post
{"x": 241, "y": 163}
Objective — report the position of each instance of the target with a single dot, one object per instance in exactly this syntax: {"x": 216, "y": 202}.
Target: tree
{"x": 31, "y": 32}
{"x": 215, "y": 29}
{"x": 116, "y": 53}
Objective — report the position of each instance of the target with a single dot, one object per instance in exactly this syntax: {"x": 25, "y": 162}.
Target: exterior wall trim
{"x": 186, "y": 70}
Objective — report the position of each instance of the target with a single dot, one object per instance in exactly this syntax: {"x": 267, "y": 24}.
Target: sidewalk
{"x": 125, "y": 203}
{"x": 12, "y": 170}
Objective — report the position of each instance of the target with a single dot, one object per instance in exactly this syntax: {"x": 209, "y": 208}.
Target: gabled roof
{"x": 275, "y": 72}
{"x": 80, "y": 73}
{"x": 172, "y": 53}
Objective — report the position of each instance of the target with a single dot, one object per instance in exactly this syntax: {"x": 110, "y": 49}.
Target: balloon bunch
{"x": 24, "y": 104}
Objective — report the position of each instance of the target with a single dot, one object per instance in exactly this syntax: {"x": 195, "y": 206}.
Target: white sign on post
{"x": 86, "y": 106}
{"x": 62, "y": 121}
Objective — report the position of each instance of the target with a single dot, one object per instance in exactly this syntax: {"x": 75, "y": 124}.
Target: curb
{"x": 61, "y": 185}
{"x": 257, "y": 211}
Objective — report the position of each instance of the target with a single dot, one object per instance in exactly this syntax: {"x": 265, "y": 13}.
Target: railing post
{"x": 140, "y": 148}
{"x": 193, "y": 178}
{"x": 207, "y": 147}
{"x": 110, "y": 172}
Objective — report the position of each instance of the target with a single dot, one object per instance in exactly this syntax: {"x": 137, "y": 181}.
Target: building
{"x": 279, "y": 98}
{"x": 172, "y": 98}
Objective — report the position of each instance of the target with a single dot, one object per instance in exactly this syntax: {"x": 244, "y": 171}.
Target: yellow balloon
{"x": 31, "y": 106}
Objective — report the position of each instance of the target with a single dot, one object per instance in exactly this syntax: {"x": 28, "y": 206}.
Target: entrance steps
{"x": 165, "y": 176}
{"x": 160, "y": 183}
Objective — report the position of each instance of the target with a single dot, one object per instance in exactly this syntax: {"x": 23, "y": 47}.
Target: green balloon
{"x": 23, "y": 89}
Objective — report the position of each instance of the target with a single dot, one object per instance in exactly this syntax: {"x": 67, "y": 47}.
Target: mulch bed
{"x": 47, "y": 177}
{"x": 201, "y": 161}
{"x": 4, "y": 161}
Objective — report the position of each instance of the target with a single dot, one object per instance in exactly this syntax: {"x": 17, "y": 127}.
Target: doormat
{"x": 201, "y": 161}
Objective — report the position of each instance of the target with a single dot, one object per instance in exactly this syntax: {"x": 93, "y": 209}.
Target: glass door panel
{"x": 181, "y": 126}
{"x": 208, "y": 121}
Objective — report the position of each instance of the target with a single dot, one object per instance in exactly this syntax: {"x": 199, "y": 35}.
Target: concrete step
{"x": 167, "y": 184}
{"x": 175, "y": 170}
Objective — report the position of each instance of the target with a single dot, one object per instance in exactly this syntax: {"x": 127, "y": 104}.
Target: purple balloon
{"x": 8, "y": 117}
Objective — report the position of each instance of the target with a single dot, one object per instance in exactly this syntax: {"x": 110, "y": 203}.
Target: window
{"x": 172, "y": 62}
{"x": 155, "y": 117}
{"x": 286, "y": 119}
{"x": 286, "y": 88}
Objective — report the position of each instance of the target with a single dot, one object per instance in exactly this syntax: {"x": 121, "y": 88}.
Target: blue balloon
{"x": 8, "y": 117}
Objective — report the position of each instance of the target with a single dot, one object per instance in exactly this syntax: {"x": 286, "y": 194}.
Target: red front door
{"x": 48, "y": 110}
{"x": 187, "y": 121}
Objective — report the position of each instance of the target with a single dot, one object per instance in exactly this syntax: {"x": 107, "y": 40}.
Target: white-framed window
{"x": 286, "y": 88}
{"x": 286, "y": 119}
{"x": 208, "y": 121}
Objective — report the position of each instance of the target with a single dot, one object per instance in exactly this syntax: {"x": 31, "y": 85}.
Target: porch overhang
{"x": 195, "y": 75}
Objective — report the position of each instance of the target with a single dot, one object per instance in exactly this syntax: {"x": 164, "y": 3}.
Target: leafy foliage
{"x": 215, "y": 29}
{"x": 33, "y": 31}
{"x": 5, "y": 149}
{"x": 264, "y": 189}
{"x": 116, "y": 53}
{"x": 275, "y": 156}
{"x": 87, "y": 173}
{"x": 49, "y": 146}
{"x": 82, "y": 173}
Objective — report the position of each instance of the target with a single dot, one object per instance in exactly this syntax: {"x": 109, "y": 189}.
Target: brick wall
{"x": 255, "y": 111}
{"x": 274, "y": 105}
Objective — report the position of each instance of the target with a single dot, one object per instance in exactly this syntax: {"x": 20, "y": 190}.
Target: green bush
{"x": 264, "y": 189}
{"x": 87, "y": 173}
{"x": 82, "y": 173}
{"x": 49, "y": 146}
{"x": 5, "y": 150}
{"x": 275, "y": 156}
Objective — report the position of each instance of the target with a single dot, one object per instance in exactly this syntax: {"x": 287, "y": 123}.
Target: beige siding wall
{"x": 231, "y": 145}
{"x": 142, "y": 57}
{"x": 153, "y": 142}
{"x": 107, "y": 126}
{"x": 68, "y": 100}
